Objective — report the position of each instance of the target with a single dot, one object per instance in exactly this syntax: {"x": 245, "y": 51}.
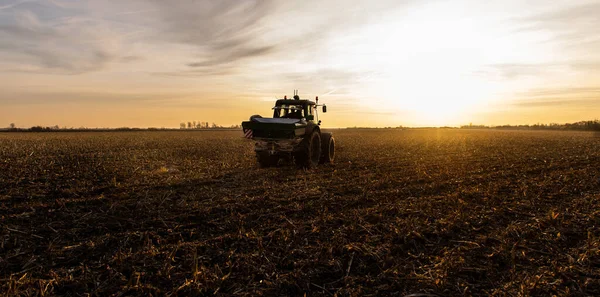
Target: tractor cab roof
{"x": 293, "y": 102}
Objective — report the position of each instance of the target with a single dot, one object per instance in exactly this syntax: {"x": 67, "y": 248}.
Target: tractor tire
{"x": 310, "y": 151}
{"x": 265, "y": 160}
{"x": 327, "y": 148}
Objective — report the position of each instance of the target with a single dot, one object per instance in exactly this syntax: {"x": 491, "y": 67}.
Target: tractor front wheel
{"x": 327, "y": 148}
{"x": 310, "y": 151}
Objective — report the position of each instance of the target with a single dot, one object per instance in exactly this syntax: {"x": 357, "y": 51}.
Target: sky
{"x": 156, "y": 63}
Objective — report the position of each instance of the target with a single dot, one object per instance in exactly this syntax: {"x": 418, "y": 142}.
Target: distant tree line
{"x": 13, "y": 127}
{"x": 578, "y": 126}
{"x": 365, "y": 128}
{"x": 204, "y": 125}
{"x": 192, "y": 125}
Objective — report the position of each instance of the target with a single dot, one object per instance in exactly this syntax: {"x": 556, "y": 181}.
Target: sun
{"x": 446, "y": 100}
{"x": 439, "y": 99}
{"x": 427, "y": 64}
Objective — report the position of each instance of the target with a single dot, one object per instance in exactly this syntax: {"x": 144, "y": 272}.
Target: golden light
{"x": 427, "y": 62}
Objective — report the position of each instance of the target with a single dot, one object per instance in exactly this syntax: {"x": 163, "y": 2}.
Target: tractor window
{"x": 279, "y": 112}
{"x": 288, "y": 111}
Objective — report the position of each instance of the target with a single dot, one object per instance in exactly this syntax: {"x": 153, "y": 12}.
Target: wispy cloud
{"x": 201, "y": 72}
{"x": 238, "y": 34}
{"x": 510, "y": 71}
{"x": 568, "y": 35}
{"x": 131, "y": 12}
{"x": 221, "y": 32}
{"x": 571, "y": 27}
{"x": 34, "y": 97}
{"x": 46, "y": 38}
{"x": 15, "y": 4}
{"x": 574, "y": 97}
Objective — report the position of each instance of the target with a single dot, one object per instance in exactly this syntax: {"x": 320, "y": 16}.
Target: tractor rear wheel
{"x": 327, "y": 148}
{"x": 310, "y": 151}
{"x": 265, "y": 160}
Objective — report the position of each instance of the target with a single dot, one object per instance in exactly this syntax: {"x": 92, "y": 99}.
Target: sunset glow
{"x": 386, "y": 63}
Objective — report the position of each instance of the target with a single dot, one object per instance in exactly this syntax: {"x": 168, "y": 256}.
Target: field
{"x": 401, "y": 212}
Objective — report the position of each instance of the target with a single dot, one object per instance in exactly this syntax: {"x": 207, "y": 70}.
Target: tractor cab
{"x": 296, "y": 108}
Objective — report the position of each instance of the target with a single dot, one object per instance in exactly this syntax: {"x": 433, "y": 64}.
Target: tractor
{"x": 293, "y": 133}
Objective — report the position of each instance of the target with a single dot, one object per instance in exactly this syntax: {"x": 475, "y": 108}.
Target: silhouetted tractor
{"x": 293, "y": 133}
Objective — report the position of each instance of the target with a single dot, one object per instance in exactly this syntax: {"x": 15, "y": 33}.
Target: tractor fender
{"x": 311, "y": 128}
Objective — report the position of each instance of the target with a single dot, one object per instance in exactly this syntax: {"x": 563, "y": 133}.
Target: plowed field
{"x": 401, "y": 212}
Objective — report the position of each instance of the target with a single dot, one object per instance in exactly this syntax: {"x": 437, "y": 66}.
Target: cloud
{"x": 15, "y": 4}
{"x": 579, "y": 103}
{"x": 232, "y": 55}
{"x": 220, "y": 32}
{"x": 571, "y": 26}
{"x": 243, "y": 34}
{"x": 566, "y": 38}
{"x": 325, "y": 76}
{"x": 590, "y": 65}
{"x": 202, "y": 71}
{"x": 509, "y": 71}
{"x": 580, "y": 98}
{"x": 328, "y": 81}
{"x": 572, "y": 91}
{"x": 131, "y": 12}
{"x": 34, "y": 97}
{"x": 515, "y": 71}
{"x": 48, "y": 38}
{"x": 580, "y": 14}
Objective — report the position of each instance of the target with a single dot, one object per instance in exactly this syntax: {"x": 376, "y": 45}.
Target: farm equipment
{"x": 293, "y": 133}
